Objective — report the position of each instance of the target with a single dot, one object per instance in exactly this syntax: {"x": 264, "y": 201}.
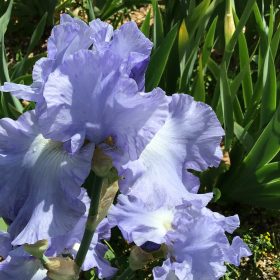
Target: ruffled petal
{"x": 229, "y": 224}
{"x": 202, "y": 241}
{"x": 40, "y": 180}
{"x": 134, "y": 49}
{"x": 189, "y": 139}
{"x": 20, "y": 91}
{"x": 102, "y": 34}
{"x": 95, "y": 255}
{"x": 17, "y": 264}
{"x": 139, "y": 222}
{"x": 96, "y": 102}
{"x": 173, "y": 271}
{"x": 95, "y": 259}
{"x": 236, "y": 251}
{"x": 69, "y": 36}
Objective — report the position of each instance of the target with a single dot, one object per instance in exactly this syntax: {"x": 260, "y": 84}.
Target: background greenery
{"x": 222, "y": 52}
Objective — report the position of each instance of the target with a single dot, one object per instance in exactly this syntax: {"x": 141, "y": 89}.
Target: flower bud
{"x": 229, "y": 22}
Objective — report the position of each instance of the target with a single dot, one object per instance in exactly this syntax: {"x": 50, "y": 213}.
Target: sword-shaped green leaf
{"x": 267, "y": 145}
{"x": 159, "y": 59}
{"x": 158, "y": 25}
{"x": 145, "y": 27}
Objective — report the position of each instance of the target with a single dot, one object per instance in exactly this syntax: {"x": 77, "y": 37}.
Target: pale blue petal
{"x": 94, "y": 102}
{"x": 202, "y": 241}
{"x": 40, "y": 180}
{"x": 229, "y": 224}
{"x": 5, "y": 244}
{"x": 189, "y": 139}
{"x": 20, "y": 91}
{"x": 236, "y": 251}
{"x": 23, "y": 269}
{"x": 134, "y": 49}
{"x": 139, "y": 222}
{"x": 68, "y": 37}
{"x": 102, "y": 34}
{"x": 173, "y": 271}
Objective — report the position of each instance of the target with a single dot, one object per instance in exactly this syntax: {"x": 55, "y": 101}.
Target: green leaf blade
{"x": 159, "y": 60}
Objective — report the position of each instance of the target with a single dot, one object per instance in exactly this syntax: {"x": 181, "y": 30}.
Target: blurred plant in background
{"x": 224, "y": 53}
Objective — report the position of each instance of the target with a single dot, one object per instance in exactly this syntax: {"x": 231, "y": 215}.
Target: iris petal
{"x": 43, "y": 201}
{"x": 189, "y": 139}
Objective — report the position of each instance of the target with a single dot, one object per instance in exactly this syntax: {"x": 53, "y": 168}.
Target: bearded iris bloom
{"x": 89, "y": 94}
{"x": 194, "y": 235}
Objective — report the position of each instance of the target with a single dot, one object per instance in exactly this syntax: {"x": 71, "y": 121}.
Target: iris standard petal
{"x": 69, "y": 36}
{"x": 134, "y": 49}
{"x": 102, "y": 34}
{"x": 95, "y": 102}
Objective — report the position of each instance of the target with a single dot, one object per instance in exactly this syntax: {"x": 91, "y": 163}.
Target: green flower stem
{"x": 44, "y": 260}
{"x": 91, "y": 223}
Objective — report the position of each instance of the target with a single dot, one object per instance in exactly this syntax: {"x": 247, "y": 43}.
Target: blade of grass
{"x": 271, "y": 23}
{"x": 214, "y": 68}
{"x": 197, "y": 13}
{"x": 209, "y": 42}
{"x": 199, "y": 88}
{"x": 243, "y": 136}
{"x": 4, "y": 72}
{"x": 194, "y": 45}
